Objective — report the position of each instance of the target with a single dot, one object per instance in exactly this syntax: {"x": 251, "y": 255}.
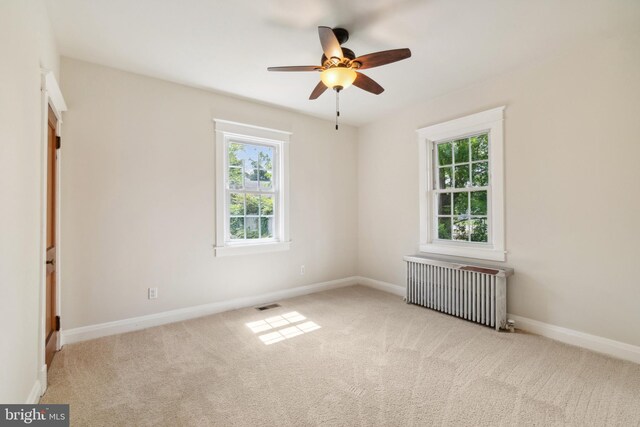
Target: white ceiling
{"x": 226, "y": 46}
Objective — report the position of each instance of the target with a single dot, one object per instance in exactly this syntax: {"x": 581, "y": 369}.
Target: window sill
{"x": 250, "y": 249}
{"x": 466, "y": 252}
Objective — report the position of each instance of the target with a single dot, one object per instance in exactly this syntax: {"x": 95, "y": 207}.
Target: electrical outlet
{"x": 153, "y": 293}
{"x": 302, "y": 270}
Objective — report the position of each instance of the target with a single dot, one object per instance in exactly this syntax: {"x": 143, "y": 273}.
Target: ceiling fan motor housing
{"x": 346, "y": 52}
{"x": 341, "y": 34}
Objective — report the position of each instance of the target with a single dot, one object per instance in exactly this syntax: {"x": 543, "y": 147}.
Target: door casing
{"x": 51, "y": 293}
{"x": 51, "y": 96}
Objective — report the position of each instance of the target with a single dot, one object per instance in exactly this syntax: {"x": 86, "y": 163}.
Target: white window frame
{"x": 491, "y": 122}
{"x": 226, "y": 132}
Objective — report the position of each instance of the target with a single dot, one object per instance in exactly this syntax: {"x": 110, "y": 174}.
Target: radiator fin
{"x": 471, "y": 293}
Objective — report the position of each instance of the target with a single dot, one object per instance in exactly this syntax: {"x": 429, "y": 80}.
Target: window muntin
{"x": 462, "y": 189}
{"x": 251, "y": 191}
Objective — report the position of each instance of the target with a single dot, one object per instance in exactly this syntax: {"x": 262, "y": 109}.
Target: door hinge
{"x": 58, "y": 143}
{"x": 57, "y": 323}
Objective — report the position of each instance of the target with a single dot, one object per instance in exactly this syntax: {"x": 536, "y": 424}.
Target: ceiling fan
{"x": 339, "y": 65}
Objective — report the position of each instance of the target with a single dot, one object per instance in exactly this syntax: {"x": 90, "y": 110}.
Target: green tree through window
{"x": 462, "y": 189}
{"x": 250, "y": 181}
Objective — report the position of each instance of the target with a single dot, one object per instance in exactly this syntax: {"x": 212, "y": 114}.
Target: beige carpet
{"x": 373, "y": 361}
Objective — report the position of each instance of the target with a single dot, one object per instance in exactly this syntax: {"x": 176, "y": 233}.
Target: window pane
{"x": 253, "y": 204}
{"x": 252, "y": 227}
{"x": 479, "y": 230}
{"x": 444, "y": 154}
{"x": 480, "y": 174}
{"x": 266, "y": 227}
{"x": 479, "y": 203}
{"x": 444, "y": 228}
{"x": 461, "y": 151}
{"x": 462, "y": 176}
{"x": 249, "y": 157}
{"x": 235, "y": 178}
{"x": 250, "y": 176}
{"x": 265, "y": 158}
{"x": 461, "y": 203}
{"x": 480, "y": 147}
{"x": 265, "y": 163}
{"x": 444, "y": 204}
{"x": 266, "y": 205}
{"x": 446, "y": 177}
{"x": 235, "y": 154}
{"x": 266, "y": 178}
{"x": 236, "y": 228}
{"x": 236, "y": 204}
{"x": 461, "y": 229}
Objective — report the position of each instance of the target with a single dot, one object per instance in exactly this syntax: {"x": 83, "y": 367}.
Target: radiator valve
{"x": 511, "y": 325}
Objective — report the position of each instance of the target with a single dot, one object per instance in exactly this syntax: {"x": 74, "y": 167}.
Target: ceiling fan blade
{"x": 382, "y": 58}
{"x": 318, "y": 90}
{"x": 330, "y": 45}
{"x": 296, "y": 68}
{"x": 368, "y": 84}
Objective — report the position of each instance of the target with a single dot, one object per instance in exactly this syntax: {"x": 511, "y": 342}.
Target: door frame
{"x": 51, "y": 96}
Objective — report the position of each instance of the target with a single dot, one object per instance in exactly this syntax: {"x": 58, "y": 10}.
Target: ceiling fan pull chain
{"x": 337, "y": 107}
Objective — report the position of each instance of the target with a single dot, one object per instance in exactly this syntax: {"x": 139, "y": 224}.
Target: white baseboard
{"x": 382, "y": 286}
{"x": 581, "y": 339}
{"x": 34, "y": 394}
{"x": 568, "y": 336}
{"x": 44, "y": 381}
{"x": 136, "y": 323}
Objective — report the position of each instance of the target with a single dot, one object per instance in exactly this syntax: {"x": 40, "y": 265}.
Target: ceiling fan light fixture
{"x": 338, "y": 76}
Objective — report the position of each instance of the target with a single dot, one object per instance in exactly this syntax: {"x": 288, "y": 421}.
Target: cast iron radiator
{"x": 472, "y": 292}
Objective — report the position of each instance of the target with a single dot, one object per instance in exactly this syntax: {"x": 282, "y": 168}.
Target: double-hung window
{"x": 252, "y": 189}
{"x": 461, "y": 187}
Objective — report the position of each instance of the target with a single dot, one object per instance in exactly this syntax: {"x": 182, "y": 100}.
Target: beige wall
{"x": 138, "y": 201}
{"x": 26, "y": 44}
{"x": 138, "y": 198}
{"x": 572, "y": 175}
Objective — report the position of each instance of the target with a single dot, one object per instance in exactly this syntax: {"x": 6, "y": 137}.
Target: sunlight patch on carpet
{"x": 289, "y": 327}
{"x": 275, "y": 322}
{"x": 290, "y": 332}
